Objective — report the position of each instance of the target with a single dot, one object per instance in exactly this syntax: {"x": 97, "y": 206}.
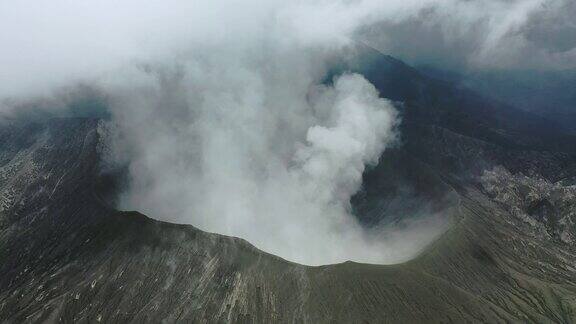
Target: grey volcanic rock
{"x": 549, "y": 207}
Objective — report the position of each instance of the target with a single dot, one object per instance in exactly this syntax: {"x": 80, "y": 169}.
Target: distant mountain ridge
{"x": 449, "y": 105}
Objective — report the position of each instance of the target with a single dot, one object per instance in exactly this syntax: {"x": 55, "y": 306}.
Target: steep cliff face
{"x": 508, "y": 256}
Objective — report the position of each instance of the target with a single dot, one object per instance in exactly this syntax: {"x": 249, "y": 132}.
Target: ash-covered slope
{"x": 67, "y": 256}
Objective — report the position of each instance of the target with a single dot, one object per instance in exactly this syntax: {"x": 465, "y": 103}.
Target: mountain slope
{"x": 448, "y": 105}
{"x": 76, "y": 259}
{"x": 68, "y": 256}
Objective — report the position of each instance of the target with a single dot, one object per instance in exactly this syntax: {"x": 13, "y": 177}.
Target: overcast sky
{"x": 52, "y": 43}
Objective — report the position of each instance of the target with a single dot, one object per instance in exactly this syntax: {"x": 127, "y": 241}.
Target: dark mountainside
{"x": 509, "y": 256}
{"x": 546, "y": 93}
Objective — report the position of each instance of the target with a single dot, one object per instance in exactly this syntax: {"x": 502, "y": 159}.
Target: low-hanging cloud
{"x": 49, "y": 44}
{"x": 222, "y": 113}
{"x": 483, "y": 35}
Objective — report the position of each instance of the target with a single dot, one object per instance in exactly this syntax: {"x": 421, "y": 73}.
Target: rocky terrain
{"x": 549, "y": 207}
{"x": 505, "y": 178}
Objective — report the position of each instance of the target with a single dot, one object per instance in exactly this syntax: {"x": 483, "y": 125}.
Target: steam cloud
{"x": 221, "y": 110}
{"x": 280, "y": 174}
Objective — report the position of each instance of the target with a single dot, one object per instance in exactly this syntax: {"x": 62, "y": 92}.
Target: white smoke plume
{"x": 222, "y": 113}
{"x": 280, "y": 174}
